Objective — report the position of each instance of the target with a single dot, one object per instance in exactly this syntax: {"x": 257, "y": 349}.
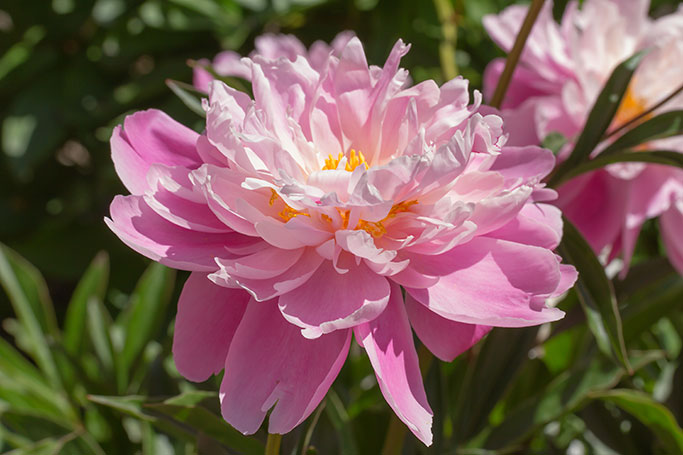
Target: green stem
{"x": 396, "y": 433}
{"x": 515, "y": 53}
{"x": 273, "y": 444}
{"x": 449, "y": 32}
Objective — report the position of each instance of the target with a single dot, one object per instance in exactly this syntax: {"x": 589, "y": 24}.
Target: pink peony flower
{"x": 272, "y": 47}
{"x": 561, "y": 73}
{"x": 303, "y": 211}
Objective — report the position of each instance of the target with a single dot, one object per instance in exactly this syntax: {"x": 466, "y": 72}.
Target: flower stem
{"x": 515, "y": 53}
{"x": 273, "y": 444}
{"x": 396, "y": 433}
{"x": 449, "y": 38}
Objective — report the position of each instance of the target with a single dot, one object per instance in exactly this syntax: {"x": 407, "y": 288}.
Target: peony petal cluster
{"x": 561, "y": 72}
{"x": 269, "y": 46}
{"x": 305, "y": 212}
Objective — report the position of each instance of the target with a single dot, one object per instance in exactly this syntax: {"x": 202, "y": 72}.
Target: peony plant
{"x": 339, "y": 202}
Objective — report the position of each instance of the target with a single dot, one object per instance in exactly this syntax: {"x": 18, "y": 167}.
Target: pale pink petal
{"x": 269, "y": 364}
{"x": 139, "y": 227}
{"x": 446, "y": 339}
{"x": 208, "y": 316}
{"x": 536, "y": 224}
{"x": 491, "y": 282}
{"x": 150, "y": 137}
{"x": 331, "y": 301}
{"x": 388, "y": 342}
{"x": 671, "y": 224}
{"x": 267, "y": 288}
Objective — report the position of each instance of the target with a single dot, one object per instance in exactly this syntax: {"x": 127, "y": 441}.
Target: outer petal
{"x": 536, "y": 224}
{"x": 270, "y": 363}
{"x": 671, "y": 223}
{"x": 208, "y": 316}
{"x": 492, "y": 282}
{"x": 446, "y": 339}
{"x": 389, "y": 343}
{"x": 330, "y": 301}
{"x": 150, "y": 137}
{"x": 139, "y": 227}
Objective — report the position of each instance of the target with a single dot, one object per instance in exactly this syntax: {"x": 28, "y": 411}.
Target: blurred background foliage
{"x": 85, "y": 361}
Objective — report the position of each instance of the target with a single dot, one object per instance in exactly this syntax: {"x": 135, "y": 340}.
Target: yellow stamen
{"x": 287, "y": 213}
{"x": 374, "y": 228}
{"x": 354, "y": 160}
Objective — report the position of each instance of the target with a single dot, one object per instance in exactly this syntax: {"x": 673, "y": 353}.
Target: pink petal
{"x": 388, "y": 342}
{"x": 446, "y": 339}
{"x": 671, "y": 224}
{"x": 536, "y": 224}
{"x": 270, "y": 363}
{"x": 150, "y": 137}
{"x": 491, "y": 282}
{"x": 267, "y": 288}
{"x": 139, "y": 227}
{"x": 208, "y": 316}
{"x": 331, "y": 301}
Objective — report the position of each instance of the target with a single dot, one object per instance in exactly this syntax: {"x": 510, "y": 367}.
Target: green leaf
{"x": 652, "y": 414}
{"x": 341, "y": 422}
{"x": 143, "y": 317}
{"x": 568, "y": 392}
{"x": 595, "y": 293}
{"x": 554, "y": 141}
{"x": 601, "y": 115}
{"x": 29, "y": 297}
{"x": 189, "y": 95}
{"x": 98, "y": 324}
{"x": 199, "y": 418}
{"x": 662, "y": 126}
{"x": 24, "y": 387}
{"x": 93, "y": 285}
{"x": 651, "y": 303}
{"x": 502, "y": 354}
{"x": 666, "y": 157}
{"x": 184, "y": 417}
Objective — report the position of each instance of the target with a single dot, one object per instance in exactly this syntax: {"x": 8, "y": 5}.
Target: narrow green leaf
{"x": 202, "y": 420}
{"x": 649, "y": 304}
{"x": 143, "y": 317}
{"x": 662, "y": 126}
{"x": 188, "y": 95}
{"x": 23, "y": 384}
{"x": 568, "y": 392}
{"x": 93, "y": 284}
{"x": 337, "y": 414}
{"x": 595, "y": 293}
{"x": 666, "y": 157}
{"x": 652, "y": 414}
{"x": 601, "y": 115}
{"x": 28, "y": 294}
{"x": 98, "y": 324}
{"x": 130, "y": 405}
{"x": 502, "y": 354}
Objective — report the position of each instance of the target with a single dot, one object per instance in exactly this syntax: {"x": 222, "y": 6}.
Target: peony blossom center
{"x": 374, "y": 228}
{"x": 352, "y": 162}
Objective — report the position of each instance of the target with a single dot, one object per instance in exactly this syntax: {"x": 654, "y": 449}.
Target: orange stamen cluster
{"x": 287, "y": 213}
{"x": 374, "y": 228}
{"x": 353, "y": 161}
